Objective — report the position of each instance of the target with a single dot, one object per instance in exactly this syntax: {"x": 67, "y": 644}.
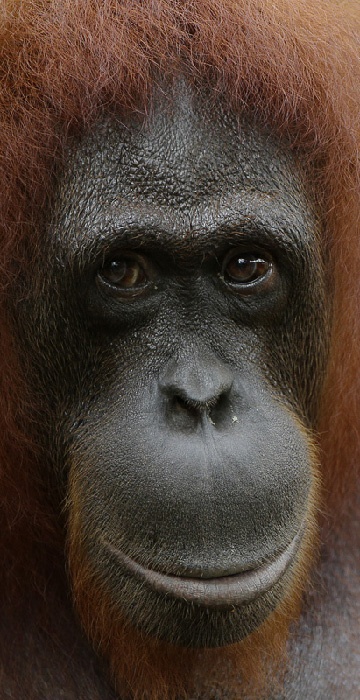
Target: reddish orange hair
{"x": 293, "y": 63}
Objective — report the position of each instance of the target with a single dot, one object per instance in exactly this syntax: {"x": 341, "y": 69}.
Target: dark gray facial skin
{"x": 174, "y": 407}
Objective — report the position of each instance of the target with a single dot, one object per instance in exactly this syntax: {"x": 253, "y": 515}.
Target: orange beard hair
{"x": 146, "y": 668}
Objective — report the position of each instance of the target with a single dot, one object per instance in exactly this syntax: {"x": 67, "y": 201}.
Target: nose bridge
{"x": 198, "y": 377}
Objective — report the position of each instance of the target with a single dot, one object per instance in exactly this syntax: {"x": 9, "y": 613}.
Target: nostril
{"x": 219, "y": 409}
{"x": 180, "y": 404}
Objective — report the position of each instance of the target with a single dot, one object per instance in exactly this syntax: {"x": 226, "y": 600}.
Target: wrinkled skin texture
{"x": 177, "y": 419}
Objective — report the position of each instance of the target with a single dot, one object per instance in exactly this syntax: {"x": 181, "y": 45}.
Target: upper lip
{"x": 221, "y": 591}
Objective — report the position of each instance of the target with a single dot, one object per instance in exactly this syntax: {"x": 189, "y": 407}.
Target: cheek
{"x": 297, "y": 357}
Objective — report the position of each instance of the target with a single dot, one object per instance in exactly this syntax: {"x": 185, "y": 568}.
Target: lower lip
{"x": 220, "y": 592}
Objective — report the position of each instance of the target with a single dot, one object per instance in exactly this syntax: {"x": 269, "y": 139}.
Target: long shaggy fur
{"x": 294, "y": 64}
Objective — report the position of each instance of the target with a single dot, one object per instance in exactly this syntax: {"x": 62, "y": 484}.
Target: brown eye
{"x": 125, "y": 274}
{"x": 244, "y": 268}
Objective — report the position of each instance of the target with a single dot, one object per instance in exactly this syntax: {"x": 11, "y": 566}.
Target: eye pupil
{"x": 244, "y": 268}
{"x": 115, "y": 270}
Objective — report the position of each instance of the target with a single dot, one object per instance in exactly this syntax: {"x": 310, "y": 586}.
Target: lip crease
{"x": 218, "y": 592}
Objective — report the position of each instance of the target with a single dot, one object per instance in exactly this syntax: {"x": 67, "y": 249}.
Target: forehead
{"x": 187, "y": 166}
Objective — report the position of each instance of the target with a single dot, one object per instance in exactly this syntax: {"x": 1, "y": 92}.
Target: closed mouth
{"x": 218, "y": 592}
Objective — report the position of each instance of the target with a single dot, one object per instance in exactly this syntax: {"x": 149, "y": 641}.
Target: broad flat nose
{"x": 193, "y": 386}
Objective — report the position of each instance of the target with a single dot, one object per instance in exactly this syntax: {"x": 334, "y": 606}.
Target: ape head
{"x": 174, "y": 317}
{"x": 185, "y": 272}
